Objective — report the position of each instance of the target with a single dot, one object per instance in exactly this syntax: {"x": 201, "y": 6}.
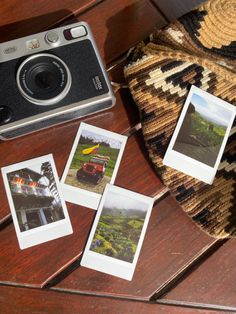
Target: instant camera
{"x": 50, "y": 78}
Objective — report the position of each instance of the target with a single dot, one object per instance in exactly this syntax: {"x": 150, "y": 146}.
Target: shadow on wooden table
{"x": 36, "y": 24}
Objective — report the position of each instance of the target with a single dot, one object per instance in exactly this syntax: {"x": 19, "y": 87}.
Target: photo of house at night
{"x": 35, "y": 196}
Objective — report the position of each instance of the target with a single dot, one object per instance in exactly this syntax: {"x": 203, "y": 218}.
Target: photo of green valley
{"x": 202, "y": 131}
{"x": 119, "y": 227}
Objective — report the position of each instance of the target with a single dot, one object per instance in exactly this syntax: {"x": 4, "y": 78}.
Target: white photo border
{"x": 187, "y": 164}
{"x": 107, "y": 264}
{"x": 81, "y": 196}
{"x": 42, "y": 233}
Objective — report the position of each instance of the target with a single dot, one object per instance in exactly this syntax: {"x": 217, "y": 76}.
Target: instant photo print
{"x": 201, "y": 134}
{"x": 38, "y": 210}
{"x": 118, "y": 232}
{"x": 93, "y": 162}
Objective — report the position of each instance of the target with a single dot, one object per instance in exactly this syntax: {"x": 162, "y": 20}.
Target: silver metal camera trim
{"x": 20, "y": 51}
{"x": 49, "y": 101}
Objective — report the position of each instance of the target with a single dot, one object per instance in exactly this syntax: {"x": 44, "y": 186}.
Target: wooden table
{"x": 180, "y": 269}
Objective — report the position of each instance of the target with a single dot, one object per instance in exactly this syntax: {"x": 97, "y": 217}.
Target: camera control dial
{"x": 52, "y": 38}
{"x": 5, "y": 114}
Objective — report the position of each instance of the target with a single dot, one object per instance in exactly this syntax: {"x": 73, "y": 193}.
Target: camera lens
{"x": 43, "y": 79}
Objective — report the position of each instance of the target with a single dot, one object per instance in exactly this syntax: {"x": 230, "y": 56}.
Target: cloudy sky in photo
{"x": 116, "y": 200}
{"x": 211, "y": 111}
{"x": 102, "y": 138}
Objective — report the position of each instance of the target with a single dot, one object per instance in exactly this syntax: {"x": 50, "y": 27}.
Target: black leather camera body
{"x": 50, "y": 78}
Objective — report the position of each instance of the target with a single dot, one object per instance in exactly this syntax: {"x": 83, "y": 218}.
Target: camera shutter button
{"x": 5, "y": 114}
{"x": 78, "y": 31}
{"x": 52, "y": 38}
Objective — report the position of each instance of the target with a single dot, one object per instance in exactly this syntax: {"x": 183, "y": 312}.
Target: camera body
{"x": 50, "y": 78}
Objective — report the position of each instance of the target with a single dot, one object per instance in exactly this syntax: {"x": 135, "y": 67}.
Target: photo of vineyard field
{"x": 119, "y": 229}
{"x": 202, "y": 131}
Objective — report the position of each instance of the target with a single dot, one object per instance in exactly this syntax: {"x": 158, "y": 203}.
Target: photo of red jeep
{"x": 93, "y": 170}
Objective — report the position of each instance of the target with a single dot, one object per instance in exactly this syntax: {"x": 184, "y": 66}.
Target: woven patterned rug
{"x": 198, "y": 49}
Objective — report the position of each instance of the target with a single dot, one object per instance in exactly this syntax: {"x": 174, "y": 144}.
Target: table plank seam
{"x": 203, "y": 306}
{"x": 180, "y": 304}
{"x": 67, "y": 268}
{"x": 19, "y": 285}
{"x": 188, "y": 268}
{"x": 78, "y": 12}
{"x": 60, "y": 276}
{"x": 96, "y": 294}
{"x": 73, "y": 263}
{"x": 209, "y": 249}
{"x": 74, "y": 16}
{"x": 161, "y": 12}
{"x": 56, "y": 272}
{"x": 54, "y": 280}
{"x": 5, "y": 221}
{"x": 110, "y": 298}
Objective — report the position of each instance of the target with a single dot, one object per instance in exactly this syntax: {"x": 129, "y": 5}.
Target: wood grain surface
{"x": 12, "y": 11}
{"x": 212, "y": 282}
{"x": 62, "y": 252}
{"x": 35, "y": 266}
{"x": 122, "y": 24}
{"x": 172, "y": 241}
{"x": 58, "y": 140}
{"x": 34, "y": 301}
{"x": 173, "y": 9}
{"x": 26, "y": 18}
{"x": 136, "y": 171}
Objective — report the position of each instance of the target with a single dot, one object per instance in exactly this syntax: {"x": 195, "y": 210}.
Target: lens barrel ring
{"x": 43, "y": 79}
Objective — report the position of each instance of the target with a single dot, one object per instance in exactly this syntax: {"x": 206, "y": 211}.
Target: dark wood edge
{"x": 160, "y": 11}
{"x": 198, "y": 306}
{"x": 75, "y": 263}
{"x": 156, "y": 297}
{"x": 60, "y": 275}
{"x": 180, "y": 304}
{"x": 128, "y": 132}
{"x": 102, "y": 295}
{"x": 73, "y": 16}
{"x": 188, "y": 268}
{"x": 167, "y": 304}
{"x": 116, "y": 62}
{"x": 5, "y": 221}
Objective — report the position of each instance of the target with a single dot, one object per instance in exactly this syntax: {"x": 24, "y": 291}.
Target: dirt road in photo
{"x": 206, "y": 155}
{"x": 72, "y": 180}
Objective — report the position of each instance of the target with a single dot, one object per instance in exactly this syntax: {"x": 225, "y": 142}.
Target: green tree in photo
{"x": 118, "y": 233}
{"x": 209, "y": 133}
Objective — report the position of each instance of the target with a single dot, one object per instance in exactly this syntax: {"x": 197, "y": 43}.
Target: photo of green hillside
{"x": 118, "y": 230}
{"x": 202, "y": 131}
